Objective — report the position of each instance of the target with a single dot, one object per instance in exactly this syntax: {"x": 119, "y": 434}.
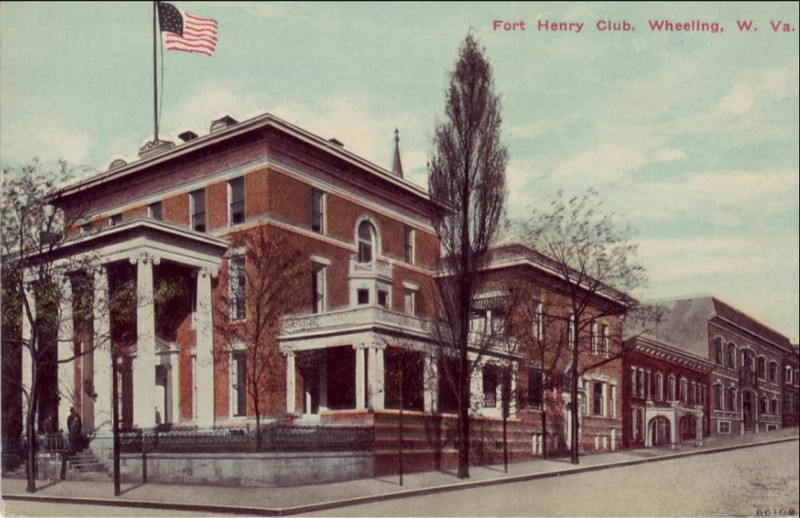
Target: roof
{"x": 685, "y": 322}
{"x": 649, "y": 344}
{"x": 260, "y": 122}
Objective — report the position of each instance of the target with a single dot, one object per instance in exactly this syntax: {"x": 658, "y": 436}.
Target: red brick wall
{"x": 176, "y": 209}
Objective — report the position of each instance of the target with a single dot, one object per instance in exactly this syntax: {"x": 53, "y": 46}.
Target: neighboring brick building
{"x": 665, "y": 392}
{"x": 747, "y": 355}
{"x": 791, "y": 387}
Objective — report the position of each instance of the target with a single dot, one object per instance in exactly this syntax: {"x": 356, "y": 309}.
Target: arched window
{"x": 732, "y": 355}
{"x": 717, "y": 397}
{"x": 660, "y": 387}
{"x": 773, "y": 372}
{"x": 773, "y": 408}
{"x": 672, "y": 388}
{"x": 731, "y": 406}
{"x": 763, "y": 407}
{"x": 719, "y": 351}
{"x": 762, "y": 367}
{"x": 684, "y": 391}
{"x": 366, "y": 242}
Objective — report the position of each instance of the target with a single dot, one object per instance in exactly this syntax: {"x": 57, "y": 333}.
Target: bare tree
{"x": 467, "y": 180}
{"x": 593, "y": 254}
{"x": 269, "y": 278}
{"x": 36, "y": 293}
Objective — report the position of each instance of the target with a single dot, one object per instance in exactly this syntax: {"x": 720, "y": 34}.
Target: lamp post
{"x": 115, "y": 417}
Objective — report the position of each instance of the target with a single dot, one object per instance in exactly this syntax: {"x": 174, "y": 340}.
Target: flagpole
{"x": 155, "y": 73}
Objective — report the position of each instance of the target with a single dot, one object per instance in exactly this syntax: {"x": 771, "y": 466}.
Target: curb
{"x": 322, "y": 506}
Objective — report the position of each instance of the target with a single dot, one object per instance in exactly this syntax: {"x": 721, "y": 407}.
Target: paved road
{"x": 735, "y": 483}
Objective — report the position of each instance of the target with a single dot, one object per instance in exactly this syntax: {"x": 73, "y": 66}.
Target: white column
{"x": 699, "y": 435}
{"x": 377, "y": 373}
{"x": 673, "y": 432}
{"x": 360, "y": 382}
{"x": 512, "y": 407}
{"x": 66, "y": 349}
{"x": 27, "y": 335}
{"x": 101, "y": 360}
{"x": 204, "y": 382}
{"x": 291, "y": 383}
{"x": 174, "y": 394}
{"x": 604, "y": 396}
{"x": 431, "y": 383}
{"x": 144, "y": 370}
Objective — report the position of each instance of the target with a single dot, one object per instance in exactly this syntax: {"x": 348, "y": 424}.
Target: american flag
{"x": 185, "y": 32}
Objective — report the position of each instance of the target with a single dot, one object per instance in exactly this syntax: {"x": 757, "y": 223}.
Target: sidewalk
{"x": 286, "y": 501}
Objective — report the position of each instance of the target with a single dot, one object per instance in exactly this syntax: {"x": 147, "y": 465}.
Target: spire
{"x": 397, "y": 166}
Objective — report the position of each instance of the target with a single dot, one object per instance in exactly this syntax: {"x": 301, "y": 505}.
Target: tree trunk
{"x": 575, "y": 407}
{"x": 463, "y": 417}
{"x": 30, "y": 437}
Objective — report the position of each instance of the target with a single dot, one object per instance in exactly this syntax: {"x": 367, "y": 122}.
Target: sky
{"x": 690, "y": 136}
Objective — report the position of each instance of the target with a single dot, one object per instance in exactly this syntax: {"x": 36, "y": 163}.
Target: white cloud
{"x": 608, "y": 163}
{"x": 47, "y": 139}
{"x": 670, "y": 155}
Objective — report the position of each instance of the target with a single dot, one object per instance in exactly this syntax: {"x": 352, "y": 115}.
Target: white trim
{"x": 411, "y": 285}
{"x": 324, "y": 261}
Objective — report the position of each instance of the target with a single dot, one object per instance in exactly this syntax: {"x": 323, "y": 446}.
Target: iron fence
{"x": 274, "y": 438}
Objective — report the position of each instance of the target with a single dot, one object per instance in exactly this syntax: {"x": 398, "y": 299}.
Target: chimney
{"x": 186, "y": 136}
{"x": 220, "y": 124}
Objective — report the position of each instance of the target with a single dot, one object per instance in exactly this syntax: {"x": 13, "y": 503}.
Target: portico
{"x": 148, "y": 365}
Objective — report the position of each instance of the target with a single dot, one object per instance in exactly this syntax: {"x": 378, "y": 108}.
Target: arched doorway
{"x": 659, "y": 431}
{"x": 748, "y": 411}
{"x": 688, "y": 428}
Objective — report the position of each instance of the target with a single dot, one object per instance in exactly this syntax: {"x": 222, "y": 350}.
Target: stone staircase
{"x": 85, "y": 466}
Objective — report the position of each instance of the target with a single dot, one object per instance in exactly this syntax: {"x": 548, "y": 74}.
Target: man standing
{"x": 75, "y": 429}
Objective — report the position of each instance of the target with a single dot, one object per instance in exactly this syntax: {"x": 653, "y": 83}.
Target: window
{"x": 238, "y": 282}
{"x": 498, "y": 321}
{"x": 764, "y": 406}
{"x": 724, "y": 427}
{"x": 538, "y": 320}
{"x": 595, "y": 338}
{"x": 197, "y": 209}
{"x": 788, "y": 375}
{"x": 408, "y": 244}
{"x": 490, "y": 386}
{"x": 717, "y": 397}
{"x": 773, "y": 372}
{"x": 114, "y": 219}
{"x": 774, "y": 407}
{"x": 672, "y": 389}
{"x": 606, "y": 344}
{"x": 732, "y": 355}
{"x": 86, "y": 227}
{"x": 633, "y": 381}
{"x": 383, "y": 298}
{"x": 597, "y": 399}
{"x": 366, "y": 239}
{"x": 612, "y": 408}
{"x": 694, "y": 393}
{"x": 317, "y": 211}
{"x": 762, "y": 367}
{"x": 318, "y": 291}
{"x": 649, "y": 385}
{"x": 363, "y": 296}
{"x": 719, "y": 353}
{"x": 731, "y": 403}
{"x": 236, "y": 193}
{"x": 641, "y": 383}
{"x": 155, "y": 211}
{"x": 535, "y": 387}
{"x": 747, "y": 359}
{"x": 410, "y": 302}
{"x": 684, "y": 391}
{"x": 660, "y": 386}
{"x": 239, "y": 383}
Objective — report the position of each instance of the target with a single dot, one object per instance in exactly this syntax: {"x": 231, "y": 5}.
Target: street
{"x": 16, "y": 508}
{"x": 735, "y": 483}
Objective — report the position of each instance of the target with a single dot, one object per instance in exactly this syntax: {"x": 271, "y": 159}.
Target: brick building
{"x": 791, "y": 387}
{"x": 665, "y": 394}
{"x": 363, "y": 333}
{"x": 745, "y": 387}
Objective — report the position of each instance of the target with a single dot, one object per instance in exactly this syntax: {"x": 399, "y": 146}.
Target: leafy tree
{"x": 35, "y": 287}
{"x": 594, "y": 255}
{"x": 274, "y": 281}
{"x": 467, "y": 181}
